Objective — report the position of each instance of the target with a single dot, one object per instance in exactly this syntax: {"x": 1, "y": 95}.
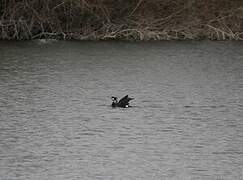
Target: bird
{"x": 123, "y": 102}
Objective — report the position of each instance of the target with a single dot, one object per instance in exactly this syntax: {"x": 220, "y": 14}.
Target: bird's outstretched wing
{"x": 125, "y": 101}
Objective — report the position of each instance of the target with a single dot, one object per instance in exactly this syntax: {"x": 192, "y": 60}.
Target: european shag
{"x": 124, "y": 102}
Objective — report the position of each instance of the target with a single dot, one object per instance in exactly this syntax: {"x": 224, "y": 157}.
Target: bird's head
{"x": 114, "y": 99}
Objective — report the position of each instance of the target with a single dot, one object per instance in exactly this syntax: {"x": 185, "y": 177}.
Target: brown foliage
{"x": 120, "y": 19}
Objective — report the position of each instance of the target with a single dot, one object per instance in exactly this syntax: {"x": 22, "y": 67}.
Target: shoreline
{"x": 136, "y": 20}
{"x": 77, "y": 37}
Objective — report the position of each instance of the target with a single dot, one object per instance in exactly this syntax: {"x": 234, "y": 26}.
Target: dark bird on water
{"x": 124, "y": 102}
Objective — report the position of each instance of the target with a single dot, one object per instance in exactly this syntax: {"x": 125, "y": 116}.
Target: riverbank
{"x": 126, "y": 20}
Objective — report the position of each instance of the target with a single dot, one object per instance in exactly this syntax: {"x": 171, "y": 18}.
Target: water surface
{"x": 56, "y": 122}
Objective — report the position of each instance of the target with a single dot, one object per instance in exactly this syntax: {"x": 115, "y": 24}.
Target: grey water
{"x": 186, "y": 121}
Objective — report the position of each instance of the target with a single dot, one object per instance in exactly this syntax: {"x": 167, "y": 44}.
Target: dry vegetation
{"x": 122, "y": 19}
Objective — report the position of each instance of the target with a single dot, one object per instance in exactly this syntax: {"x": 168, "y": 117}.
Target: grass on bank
{"x": 122, "y": 19}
